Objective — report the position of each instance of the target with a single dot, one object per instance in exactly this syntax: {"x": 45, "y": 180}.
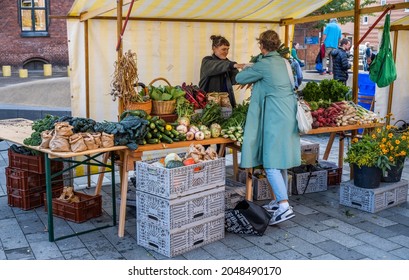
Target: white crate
{"x": 181, "y": 181}
{"x": 180, "y": 240}
{"x": 309, "y": 151}
{"x": 235, "y": 192}
{"x": 317, "y": 182}
{"x": 177, "y": 212}
{"x": 262, "y": 189}
{"x": 373, "y": 200}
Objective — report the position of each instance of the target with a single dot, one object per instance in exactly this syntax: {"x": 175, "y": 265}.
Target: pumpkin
{"x": 189, "y": 161}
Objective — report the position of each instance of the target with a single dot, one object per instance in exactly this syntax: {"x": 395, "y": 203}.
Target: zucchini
{"x": 152, "y": 125}
{"x": 154, "y": 118}
{"x": 166, "y": 138}
{"x": 175, "y": 132}
{"x": 160, "y": 122}
{"x": 153, "y": 141}
{"x": 149, "y": 135}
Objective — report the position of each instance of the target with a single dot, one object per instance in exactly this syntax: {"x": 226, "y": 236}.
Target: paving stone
{"x": 402, "y": 253}
{"x": 383, "y": 222}
{"x": 6, "y": 211}
{"x": 198, "y": 254}
{"x": 221, "y": 252}
{"x": 235, "y": 241}
{"x": 30, "y": 222}
{"x": 341, "y": 238}
{"x": 2, "y": 254}
{"x": 289, "y": 255}
{"x": 339, "y": 251}
{"x": 69, "y": 244}
{"x": 77, "y": 254}
{"x": 377, "y": 241}
{"x": 102, "y": 249}
{"x": 306, "y": 234}
{"x": 342, "y": 226}
{"x": 375, "y": 253}
{"x": 302, "y": 209}
{"x": 45, "y": 250}
{"x": 11, "y": 235}
{"x": 399, "y": 229}
{"x": 268, "y": 244}
{"x": 309, "y": 223}
{"x": 401, "y": 239}
{"x": 303, "y": 247}
{"x": 375, "y": 229}
{"x": 400, "y": 219}
{"x": 23, "y": 253}
{"x": 326, "y": 257}
{"x": 256, "y": 253}
{"x": 137, "y": 253}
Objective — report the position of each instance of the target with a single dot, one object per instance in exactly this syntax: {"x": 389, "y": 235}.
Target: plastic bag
{"x": 247, "y": 218}
{"x": 304, "y": 117}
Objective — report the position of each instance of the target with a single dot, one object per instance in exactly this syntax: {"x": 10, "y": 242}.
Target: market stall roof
{"x": 228, "y": 10}
{"x": 402, "y": 23}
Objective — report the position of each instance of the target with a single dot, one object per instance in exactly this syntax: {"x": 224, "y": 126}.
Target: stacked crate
{"x": 26, "y": 182}
{"x": 179, "y": 209}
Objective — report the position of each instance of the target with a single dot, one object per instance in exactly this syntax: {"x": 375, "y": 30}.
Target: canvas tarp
{"x": 169, "y": 49}
{"x": 400, "y": 97}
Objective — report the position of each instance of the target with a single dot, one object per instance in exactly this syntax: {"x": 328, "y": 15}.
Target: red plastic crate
{"x": 32, "y": 163}
{"x": 27, "y": 200}
{"x": 25, "y": 180}
{"x": 89, "y": 207}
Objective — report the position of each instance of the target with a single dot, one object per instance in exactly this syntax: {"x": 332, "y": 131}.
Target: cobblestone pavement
{"x": 321, "y": 230}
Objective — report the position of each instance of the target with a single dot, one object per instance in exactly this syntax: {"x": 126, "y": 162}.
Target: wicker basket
{"x": 162, "y": 107}
{"x": 146, "y": 106}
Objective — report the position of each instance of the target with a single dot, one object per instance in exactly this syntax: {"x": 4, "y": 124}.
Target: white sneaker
{"x": 281, "y": 216}
{"x": 272, "y": 206}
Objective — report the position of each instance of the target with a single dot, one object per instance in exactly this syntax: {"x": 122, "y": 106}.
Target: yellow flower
{"x": 403, "y": 137}
{"x": 391, "y": 148}
{"x": 378, "y": 130}
{"x": 390, "y": 135}
{"x": 388, "y": 127}
{"x": 383, "y": 140}
{"x": 390, "y": 158}
{"x": 384, "y": 151}
{"x": 373, "y": 136}
{"x": 403, "y": 153}
{"x": 355, "y": 140}
{"x": 397, "y": 142}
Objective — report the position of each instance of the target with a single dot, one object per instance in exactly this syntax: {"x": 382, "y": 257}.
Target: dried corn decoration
{"x": 125, "y": 78}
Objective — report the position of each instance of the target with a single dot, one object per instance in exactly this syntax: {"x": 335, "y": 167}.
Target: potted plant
{"x": 367, "y": 160}
{"x": 394, "y": 144}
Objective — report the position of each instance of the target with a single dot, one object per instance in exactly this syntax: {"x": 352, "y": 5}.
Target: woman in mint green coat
{"x": 271, "y": 135}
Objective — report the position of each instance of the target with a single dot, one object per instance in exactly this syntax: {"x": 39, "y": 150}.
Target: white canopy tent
{"x": 170, "y": 39}
{"x": 399, "y": 92}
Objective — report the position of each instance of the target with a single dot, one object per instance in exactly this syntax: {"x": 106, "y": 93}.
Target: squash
{"x": 174, "y": 164}
{"x": 172, "y": 156}
{"x": 189, "y": 161}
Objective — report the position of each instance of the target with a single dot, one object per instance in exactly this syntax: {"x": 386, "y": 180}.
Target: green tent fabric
{"x": 383, "y": 69}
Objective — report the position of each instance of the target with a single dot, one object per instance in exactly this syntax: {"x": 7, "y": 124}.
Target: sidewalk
{"x": 321, "y": 230}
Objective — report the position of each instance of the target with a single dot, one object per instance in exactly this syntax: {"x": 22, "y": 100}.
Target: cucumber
{"x": 152, "y": 125}
{"x": 175, "y": 132}
{"x": 149, "y": 135}
{"x": 154, "y": 119}
{"x": 153, "y": 141}
{"x": 166, "y": 139}
{"x": 160, "y": 122}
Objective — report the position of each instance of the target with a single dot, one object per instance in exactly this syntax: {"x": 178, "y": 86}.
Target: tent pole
{"x": 357, "y": 23}
{"x": 119, "y": 47}
{"x": 86, "y": 50}
{"x": 286, "y": 36}
{"x": 395, "y": 48}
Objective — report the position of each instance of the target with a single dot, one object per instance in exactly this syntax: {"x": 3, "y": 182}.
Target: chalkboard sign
{"x": 312, "y": 40}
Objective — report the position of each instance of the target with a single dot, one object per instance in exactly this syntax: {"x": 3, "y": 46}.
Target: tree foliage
{"x": 338, "y": 6}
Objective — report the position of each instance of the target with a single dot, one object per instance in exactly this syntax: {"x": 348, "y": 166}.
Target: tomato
{"x": 189, "y": 161}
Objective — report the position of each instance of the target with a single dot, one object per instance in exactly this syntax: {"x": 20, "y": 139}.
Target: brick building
{"x": 29, "y": 38}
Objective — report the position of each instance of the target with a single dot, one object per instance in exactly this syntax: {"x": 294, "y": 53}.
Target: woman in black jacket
{"x": 340, "y": 61}
{"x": 217, "y": 72}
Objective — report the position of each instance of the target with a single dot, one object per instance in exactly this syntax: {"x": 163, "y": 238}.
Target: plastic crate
{"x": 317, "y": 182}
{"x": 177, "y": 212}
{"x": 175, "y": 182}
{"x": 242, "y": 175}
{"x": 31, "y": 163}
{"x": 235, "y": 192}
{"x": 365, "y": 85}
{"x": 27, "y": 200}
{"x": 373, "y": 200}
{"x": 87, "y": 208}
{"x": 261, "y": 189}
{"x": 226, "y": 112}
{"x": 180, "y": 240}
{"x": 309, "y": 151}
{"x": 25, "y": 180}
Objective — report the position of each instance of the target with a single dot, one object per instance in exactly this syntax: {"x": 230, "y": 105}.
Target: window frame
{"x": 406, "y": 10}
{"x": 365, "y": 20}
{"x": 384, "y": 2}
{"x": 34, "y": 33}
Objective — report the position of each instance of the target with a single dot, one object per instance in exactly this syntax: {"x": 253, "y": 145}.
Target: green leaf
{"x": 166, "y": 96}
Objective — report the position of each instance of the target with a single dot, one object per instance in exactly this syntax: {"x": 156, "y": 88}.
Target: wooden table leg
{"x": 249, "y": 184}
{"x": 222, "y": 150}
{"x": 329, "y": 145}
{"x": 124, "y": 193}
{"x": 341, "y": 151}
{"x": 101, "y": 174}
{"x": 235, "y": 165}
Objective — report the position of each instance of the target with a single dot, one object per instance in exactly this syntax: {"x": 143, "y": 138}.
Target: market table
{"x": 16, "y": 130}
{"x": 333, "y": 131}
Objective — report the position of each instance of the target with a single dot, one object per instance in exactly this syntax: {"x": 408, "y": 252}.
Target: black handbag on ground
{"x": 247, "y": 218}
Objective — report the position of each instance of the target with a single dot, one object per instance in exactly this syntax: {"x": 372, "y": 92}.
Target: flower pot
{"x": 395, "y": 173}
{"x": 367, "y": 177}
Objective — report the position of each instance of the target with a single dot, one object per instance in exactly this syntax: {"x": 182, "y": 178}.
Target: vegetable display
{"x": 195, "y": 95}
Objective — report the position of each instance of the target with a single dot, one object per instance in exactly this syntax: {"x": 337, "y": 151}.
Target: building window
{"x": 33, "y": 16}
{"x": 365, "y": 20}
{"x": 406, "y": 9}
{"x": 383, "y": 2}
